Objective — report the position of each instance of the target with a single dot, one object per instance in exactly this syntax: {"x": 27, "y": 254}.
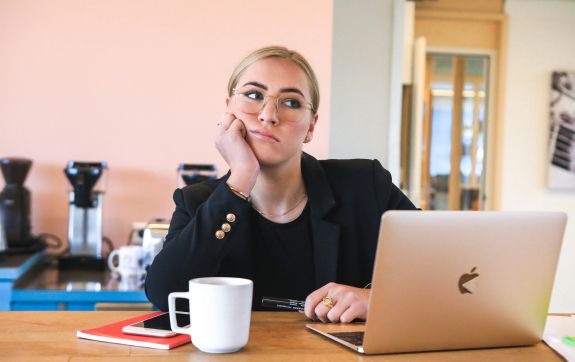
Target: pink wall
{"x": 139, "y": 84}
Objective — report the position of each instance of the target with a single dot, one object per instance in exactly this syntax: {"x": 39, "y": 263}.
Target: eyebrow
{"x": 282, "y": 90}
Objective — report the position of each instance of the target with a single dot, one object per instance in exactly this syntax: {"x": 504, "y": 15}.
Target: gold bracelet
{"x": 238, "y": 192}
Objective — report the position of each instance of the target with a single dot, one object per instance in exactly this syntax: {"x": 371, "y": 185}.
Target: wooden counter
{"x": 274, "y": 336}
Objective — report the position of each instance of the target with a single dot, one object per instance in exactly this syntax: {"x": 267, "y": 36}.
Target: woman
{"x": 298, "y": 227}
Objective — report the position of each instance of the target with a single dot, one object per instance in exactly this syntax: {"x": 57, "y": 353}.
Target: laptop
{"x": 447, "y": 280}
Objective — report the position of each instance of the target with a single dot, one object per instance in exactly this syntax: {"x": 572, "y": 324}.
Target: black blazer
{"x": 346, "y": 200}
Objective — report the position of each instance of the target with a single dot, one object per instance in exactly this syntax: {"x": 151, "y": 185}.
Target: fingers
{"x": 229, "y": 122}
{"x": 348, "y": 303}
{"x": 232, "y": 144}
{"x": 238, "y": 126}
{"x": 225, "y": 122}
{"x": 312, "y": 300}
{"x": 353, "y": 312}
{"x": 321, "y": 312}
{"x": 334, "y": 314}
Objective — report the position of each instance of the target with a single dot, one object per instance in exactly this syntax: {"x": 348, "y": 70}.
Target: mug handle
{"x": 172, "y": 310}
{"x": 110, "y": 261}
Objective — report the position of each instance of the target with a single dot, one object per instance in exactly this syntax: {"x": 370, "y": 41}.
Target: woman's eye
{"x": 254, "y": 95}
{"x": 291, "y": 103}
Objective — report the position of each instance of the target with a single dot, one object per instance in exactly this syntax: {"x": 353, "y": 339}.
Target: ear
{"x": 228, "y": 102}
{"x": 309, "y": 134}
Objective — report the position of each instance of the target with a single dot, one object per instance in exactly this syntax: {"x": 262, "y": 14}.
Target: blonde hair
{"x": 277, "y": 52}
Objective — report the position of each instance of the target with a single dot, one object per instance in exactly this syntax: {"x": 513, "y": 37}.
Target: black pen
{"x": 280, "y": 303}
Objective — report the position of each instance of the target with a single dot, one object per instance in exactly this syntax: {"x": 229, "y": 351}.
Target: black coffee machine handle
{"x": 83, "y": 176}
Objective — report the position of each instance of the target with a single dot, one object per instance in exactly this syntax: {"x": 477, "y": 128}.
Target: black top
{"x": 346, "y": 199}
{"x": 283, "y": 256}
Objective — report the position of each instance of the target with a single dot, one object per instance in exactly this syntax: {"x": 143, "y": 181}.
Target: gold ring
{"x": 328, "y": 302}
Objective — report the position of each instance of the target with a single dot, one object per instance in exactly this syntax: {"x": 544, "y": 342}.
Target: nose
{"x": 269, "y": 111}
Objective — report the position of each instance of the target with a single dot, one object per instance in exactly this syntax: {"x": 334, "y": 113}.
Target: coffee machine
{"x": 87, "y": 180}
{"x": 15, "y": 207}
{"x": 3, "y": 245}
{"x": 190, "y": 173}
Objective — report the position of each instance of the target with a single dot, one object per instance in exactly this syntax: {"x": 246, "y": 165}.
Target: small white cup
{"x": 220, "y": 312}
{"x": 129, "y": 263}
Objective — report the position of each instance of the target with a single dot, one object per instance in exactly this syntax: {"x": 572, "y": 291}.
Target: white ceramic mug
{"x": 152, "y": 242}
{"x": 129, "y": 261}
{"x": 220, "y": 312}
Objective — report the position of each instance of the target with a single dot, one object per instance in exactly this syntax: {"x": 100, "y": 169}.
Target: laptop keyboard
{"x": 355, "y": 338}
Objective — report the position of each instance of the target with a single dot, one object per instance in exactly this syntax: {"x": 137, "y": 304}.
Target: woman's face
{"x": 277, "y": 132}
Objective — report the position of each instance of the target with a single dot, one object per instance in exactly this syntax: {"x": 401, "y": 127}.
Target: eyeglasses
{"x": 289, "y": 108}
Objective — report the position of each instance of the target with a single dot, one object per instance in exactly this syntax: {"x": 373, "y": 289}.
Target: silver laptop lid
{"x": 451, "y": 280}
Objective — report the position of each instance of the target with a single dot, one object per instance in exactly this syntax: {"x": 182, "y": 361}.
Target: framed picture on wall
{"x": 561, "y": 173}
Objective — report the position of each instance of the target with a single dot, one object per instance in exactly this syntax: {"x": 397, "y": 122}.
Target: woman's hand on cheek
{"x": 349, "y": 303}
{"x": 232, "y": 145}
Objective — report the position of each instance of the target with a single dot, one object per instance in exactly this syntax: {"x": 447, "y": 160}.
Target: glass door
{"x": 454, "y": 132}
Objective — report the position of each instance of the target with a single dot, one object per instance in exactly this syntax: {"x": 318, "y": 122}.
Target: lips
{"x": 264, "y": 136}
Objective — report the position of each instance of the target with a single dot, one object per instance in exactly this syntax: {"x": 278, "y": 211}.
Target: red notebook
{"x": 112, "y": 333}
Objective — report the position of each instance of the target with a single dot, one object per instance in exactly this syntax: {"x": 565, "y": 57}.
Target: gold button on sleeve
{"x": 231, "y": 217}
{"x": 226, "y": 227}
{"x": 220, "y": 234}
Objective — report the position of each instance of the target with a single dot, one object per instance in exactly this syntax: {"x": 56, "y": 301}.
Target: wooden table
{"x": 274, "y": 336}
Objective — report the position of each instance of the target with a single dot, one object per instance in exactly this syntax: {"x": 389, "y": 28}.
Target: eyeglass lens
{"x": 288, "y": 108}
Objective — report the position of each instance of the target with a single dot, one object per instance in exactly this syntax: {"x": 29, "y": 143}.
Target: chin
{"x": 271, "y": 158}
{"x": 267, "y": 160}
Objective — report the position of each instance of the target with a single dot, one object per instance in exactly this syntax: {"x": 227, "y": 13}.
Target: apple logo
{"x": 466, "y": 284}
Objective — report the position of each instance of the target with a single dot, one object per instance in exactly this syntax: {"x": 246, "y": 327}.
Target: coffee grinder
{"x": 15, "y": 207}
{"x": 87, "y": 180}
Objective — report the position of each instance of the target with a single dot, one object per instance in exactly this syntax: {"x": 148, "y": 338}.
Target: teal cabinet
{"x": 12, "y": 267}
{"x": 45, "y": 287}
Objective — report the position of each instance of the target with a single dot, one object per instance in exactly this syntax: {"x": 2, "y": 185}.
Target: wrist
{"x": 244, "y": 183}
{"x": 238, "y": 193}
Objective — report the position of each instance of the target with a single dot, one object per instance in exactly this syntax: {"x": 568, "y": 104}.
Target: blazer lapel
{"x": 325, "y": 234}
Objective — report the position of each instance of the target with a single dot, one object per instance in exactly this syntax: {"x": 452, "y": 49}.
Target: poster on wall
{"x": 561, "y": 173}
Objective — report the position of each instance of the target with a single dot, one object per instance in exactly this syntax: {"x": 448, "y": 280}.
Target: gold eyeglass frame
{"x": 309, "y": 105}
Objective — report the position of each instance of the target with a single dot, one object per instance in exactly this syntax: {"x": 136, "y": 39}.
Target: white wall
{"x": 540, "y": 41}
{"x": 366, "y": 80}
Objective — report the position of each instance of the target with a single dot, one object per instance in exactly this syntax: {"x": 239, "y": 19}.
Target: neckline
{"x": 300, "y": 218}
